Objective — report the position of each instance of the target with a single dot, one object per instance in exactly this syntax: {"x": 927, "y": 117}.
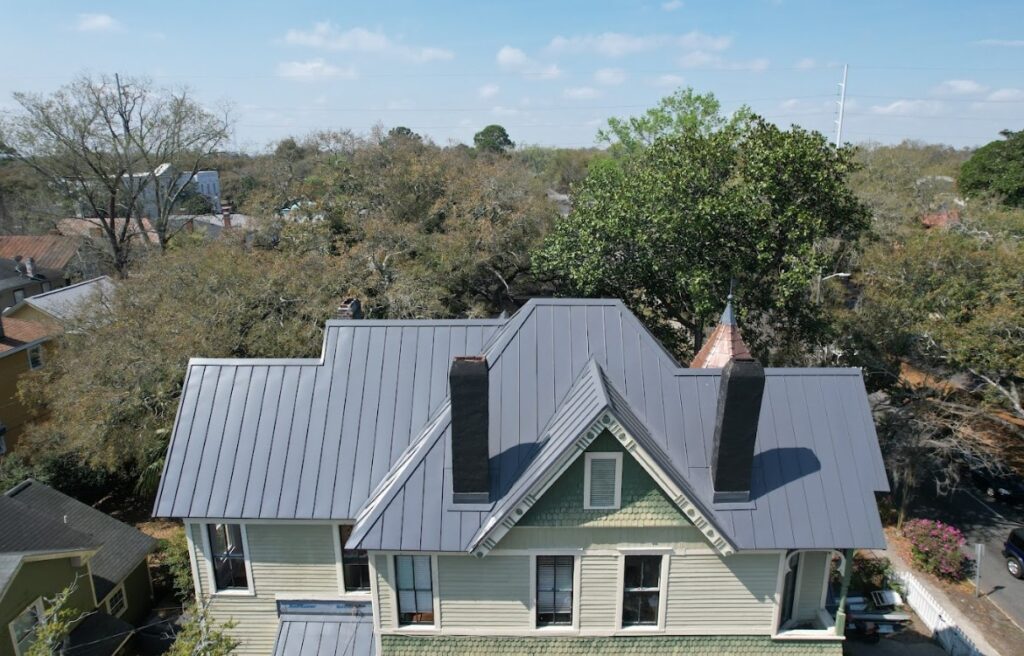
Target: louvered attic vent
{"x": 602, "y": 481}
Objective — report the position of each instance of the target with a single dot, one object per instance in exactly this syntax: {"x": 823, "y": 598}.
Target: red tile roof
{"x": 19, "y": 332}
{"x": 53, "y": 252}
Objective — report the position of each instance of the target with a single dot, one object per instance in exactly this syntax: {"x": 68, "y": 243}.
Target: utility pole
{"x": 842, "y": 107}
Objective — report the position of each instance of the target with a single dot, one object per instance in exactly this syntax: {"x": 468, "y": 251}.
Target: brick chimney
{"x": 350, "y": 308}
{"x": 471, "y": 480}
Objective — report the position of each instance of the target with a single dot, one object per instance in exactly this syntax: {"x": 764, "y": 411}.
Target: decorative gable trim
{"x": 491, "y": 535}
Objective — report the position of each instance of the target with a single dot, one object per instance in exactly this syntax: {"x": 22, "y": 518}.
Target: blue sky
{"x": 551, "y": 72}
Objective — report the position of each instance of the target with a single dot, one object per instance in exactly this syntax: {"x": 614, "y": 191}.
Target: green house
{"x": 51, "y": 542}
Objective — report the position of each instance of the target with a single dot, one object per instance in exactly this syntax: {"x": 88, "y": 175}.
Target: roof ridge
{"x": 65, "y": 288}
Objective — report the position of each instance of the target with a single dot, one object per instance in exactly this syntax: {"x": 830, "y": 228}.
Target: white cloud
{"x": 1006, "y": 95}
{"x": 672, "y": 5}
{"x": 806, "y": 64}
{"x": 498, "y": 110}
{"x": 669, "y": 80}
{"x": 96, "y": 23}
{"x": 959, "y": 88}
{"x": 488, "y": 90}
{"x": 618, "y": 44}
{"x": 1004, "y": 43}
{"x": 514, "y": 59}
{"x": 326, "y": 36}
{"x": 610, "y": 76}
{"x": 909, "y": 108}
{"x": 314, "y": 69}
{"x": 703, "y": 59}
{"x": 581, "y": 93}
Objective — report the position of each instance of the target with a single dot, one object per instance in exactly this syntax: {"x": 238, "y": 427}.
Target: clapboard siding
{"x": 710, "y": 592}
{"x": 598, "y": 591}
{"x": 602, "y": 538}
{"x": 293, "y": 558}
{"x": 812, "y": 580}
{"x": 493, "y": 592}
{"x": 385, "y": 593}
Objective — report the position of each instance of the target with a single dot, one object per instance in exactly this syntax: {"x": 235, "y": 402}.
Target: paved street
{"x": 987, "y": 522}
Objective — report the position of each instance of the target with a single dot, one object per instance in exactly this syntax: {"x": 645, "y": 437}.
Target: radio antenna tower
{"x": 842, "y": 107}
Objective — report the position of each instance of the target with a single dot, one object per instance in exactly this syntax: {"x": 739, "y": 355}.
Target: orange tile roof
{"x": 19, "y": 332}
{"x": 53, "y": 252}
{"x": 93, "y": 227}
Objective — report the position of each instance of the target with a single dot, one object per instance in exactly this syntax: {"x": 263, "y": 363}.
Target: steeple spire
{"x": 724, "y": 343}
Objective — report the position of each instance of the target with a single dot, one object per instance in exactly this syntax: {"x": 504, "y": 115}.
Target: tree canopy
{"x": 670, "y": 227}
{"x": 493, "y": 139}
{"x": 997, "y": 168}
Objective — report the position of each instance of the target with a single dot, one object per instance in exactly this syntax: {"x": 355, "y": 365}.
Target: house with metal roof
{"x": 51, "y": 543}
{"x": 550, "y": 482}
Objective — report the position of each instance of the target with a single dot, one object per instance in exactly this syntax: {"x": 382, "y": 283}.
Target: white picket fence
{"x": 945, "y": 632}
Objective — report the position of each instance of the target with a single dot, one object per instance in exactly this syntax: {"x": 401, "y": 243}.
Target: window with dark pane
{"x": 415, "y": 591}
{"x": 554, "y": 590}
{"x": 355, "y": 565}
{"x": 641, "y": 590}
{"x": 228, "y": 555}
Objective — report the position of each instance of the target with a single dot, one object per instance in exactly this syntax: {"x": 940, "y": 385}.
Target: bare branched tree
{"x": 101, "y": 144}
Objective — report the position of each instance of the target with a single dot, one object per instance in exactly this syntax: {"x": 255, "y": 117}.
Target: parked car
{"x": 1001, "y": 488}
{"x": 1013, "y": 551}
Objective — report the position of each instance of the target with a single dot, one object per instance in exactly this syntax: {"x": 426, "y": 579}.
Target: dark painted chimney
{"x": 739, "y": 407}
{"x": 2, "y": 334}
{"x": 471, "y": 482}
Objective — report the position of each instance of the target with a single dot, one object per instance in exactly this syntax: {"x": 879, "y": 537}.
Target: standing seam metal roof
{"x": 311, "y": 439}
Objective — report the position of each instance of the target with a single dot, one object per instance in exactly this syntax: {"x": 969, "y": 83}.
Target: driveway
{"x": 987, "y": 522}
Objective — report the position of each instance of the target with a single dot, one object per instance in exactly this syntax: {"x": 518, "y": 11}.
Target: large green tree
{"x": 997, "y": 168}
{"x": 493, "y": 139}
{"x": 670, "y": 226}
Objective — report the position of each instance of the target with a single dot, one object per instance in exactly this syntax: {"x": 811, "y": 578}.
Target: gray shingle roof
{"x": 122, "y": 547}
{"x": 325, "y": 635}
{"x": 324, "y": 433}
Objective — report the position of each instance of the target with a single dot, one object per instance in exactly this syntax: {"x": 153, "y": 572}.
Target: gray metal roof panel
{"x": 325, "y": 635}
{"x": 65, "y": 302}
{"x": 387, "y": 387}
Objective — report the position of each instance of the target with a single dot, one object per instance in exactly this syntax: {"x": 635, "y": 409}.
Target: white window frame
{"x": 38, "y": 605}
{"x": 395, "y": 611}
{"x": 597, "y": 455}
{"x": 620, "y": 589}
{"x": 576, "y": 583}
{"x": 211, "y": 575}
{"x": 339, "y": 549}
{"x": 124, "y": 600}
{"x": 28, "y": 353}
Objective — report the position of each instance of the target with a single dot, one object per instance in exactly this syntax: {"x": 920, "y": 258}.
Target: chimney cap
{"x": 470, "y": 358}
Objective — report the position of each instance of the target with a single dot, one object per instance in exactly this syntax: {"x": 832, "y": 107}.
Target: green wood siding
{"x": 385, "y": 593}
{"x": 44, "y": 578}
{"x": 712, "y": 593}
{"x": 492, "y": 592}
{"x": 812, "y": 580}
{"x": 401, "y": 645}
{"x": 589, "y": 537}
{"x": 138, "y": 594}
{"x": 643, "y": 502}
{"x": 599, "y": 579}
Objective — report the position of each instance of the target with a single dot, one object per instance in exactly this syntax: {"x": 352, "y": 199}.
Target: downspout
{"x": 843, "y": 590}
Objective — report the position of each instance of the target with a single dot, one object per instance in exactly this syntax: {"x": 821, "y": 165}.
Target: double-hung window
{"x": 117, "y": 603}
{"x": 227, "y": 552}
{"x": 602, "y": 481}
{"x": 23, "y": 628}
{"x": 35, "y": 357}
{"x": 641, "y": 590}
{"x": 415, "y": 590}
{"x": 355, "y": 565}
{"x": 554, "y": 590}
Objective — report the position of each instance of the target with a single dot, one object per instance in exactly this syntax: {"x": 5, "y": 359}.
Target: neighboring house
{"x": 26, "y": 330}
{"x": 211, "y": 225}
{"x": 32, "y": 264}
{"x": 50, "y": 542}
{"x": 93, "y": 228}
{"x": 549, "y": 483}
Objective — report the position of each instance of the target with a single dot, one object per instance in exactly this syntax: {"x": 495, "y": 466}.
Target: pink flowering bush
{"x": 936, "y": 548}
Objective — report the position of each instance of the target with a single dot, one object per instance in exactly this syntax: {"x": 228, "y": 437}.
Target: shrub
{"x": 935, "y": 547}
{"x": 173, "y": 556}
